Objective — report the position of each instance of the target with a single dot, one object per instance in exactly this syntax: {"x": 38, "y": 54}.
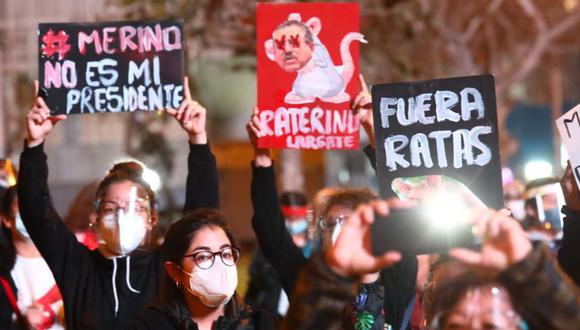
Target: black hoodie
{"x": 100, "y": 293}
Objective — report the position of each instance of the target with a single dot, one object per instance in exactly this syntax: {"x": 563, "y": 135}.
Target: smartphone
{"x": 410, "y": 232}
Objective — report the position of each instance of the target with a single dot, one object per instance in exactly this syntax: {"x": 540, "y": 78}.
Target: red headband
{"x": 296, "y": 211}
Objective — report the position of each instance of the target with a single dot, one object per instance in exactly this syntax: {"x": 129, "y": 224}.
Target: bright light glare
{"x": 446, "y": 211}
{"x": 564, "y": 157}
{"x": 537, "y": 169}
{"x": 152, "y": 178}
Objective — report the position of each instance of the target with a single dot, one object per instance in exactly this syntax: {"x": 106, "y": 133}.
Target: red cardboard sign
{"x": 307, "y": 74}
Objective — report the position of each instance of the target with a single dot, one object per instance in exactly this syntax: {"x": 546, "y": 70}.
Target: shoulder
{"x": 152, "y": 319}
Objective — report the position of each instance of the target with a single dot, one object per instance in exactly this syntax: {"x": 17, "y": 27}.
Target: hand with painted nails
{"x": 39, "y": 122}
{"x": 191, "y": 116}
{"x": 262, "y": 156}
{"x": 362, "y": 106}
{"x": 351, "y": 255}
{"x": 504, "y": 242}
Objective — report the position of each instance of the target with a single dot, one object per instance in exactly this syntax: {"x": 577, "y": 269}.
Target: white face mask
{"x": 123, "y": 233}
{"x": 20, "y": 226}
{"x": 214, "y": 286}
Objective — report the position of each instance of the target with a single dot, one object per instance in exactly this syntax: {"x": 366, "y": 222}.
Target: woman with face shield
{"x": 104, "y": 288}
{"x": 199, "y": 286}
{"x": 28, "y": 286}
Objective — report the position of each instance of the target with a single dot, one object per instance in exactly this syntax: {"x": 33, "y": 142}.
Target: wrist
{"x": 262, "y": 158}
{"x": 31, "y": 143}
{"x": 200, "y": 138}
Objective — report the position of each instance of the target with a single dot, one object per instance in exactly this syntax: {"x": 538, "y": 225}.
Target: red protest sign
{"x": 307, "y": 68}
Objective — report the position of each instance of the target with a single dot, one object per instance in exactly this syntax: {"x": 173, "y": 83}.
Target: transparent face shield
{"x": 124, "y": 227}
{"x": 480, "y": 308}
{"x": 548, "y": 200}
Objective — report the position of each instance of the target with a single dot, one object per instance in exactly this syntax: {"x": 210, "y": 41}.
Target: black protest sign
{"x": 112, "y": 66}
{"x": 427, "y": 129}
{"x": 439, "y": 127}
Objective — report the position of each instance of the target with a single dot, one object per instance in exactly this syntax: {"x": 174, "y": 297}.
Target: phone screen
{"x": 410, "y": 232}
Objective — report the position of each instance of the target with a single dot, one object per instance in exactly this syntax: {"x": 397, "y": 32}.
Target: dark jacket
{"x": 547, "y": 297}
{"x": 569, "y": 252}
{"x": 279, "y": 249}
{"x": 85, "y": 278}
{"x": 175, "y": 315}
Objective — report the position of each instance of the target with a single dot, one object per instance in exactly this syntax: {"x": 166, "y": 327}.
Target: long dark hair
{"x": 179, "y": 238}
{"x": 7, "y": 250}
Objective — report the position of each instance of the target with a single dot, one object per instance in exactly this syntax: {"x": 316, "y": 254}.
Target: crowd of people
{"x": 313, "y": 268}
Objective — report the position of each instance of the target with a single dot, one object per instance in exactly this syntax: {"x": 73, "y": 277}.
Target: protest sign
{"x": 439, "y": 127}
{"x": 569, "y": 128}
{"x": 307, "y": 57}
{"x": 445, "y": 128}
{"x": 112, "y": 66}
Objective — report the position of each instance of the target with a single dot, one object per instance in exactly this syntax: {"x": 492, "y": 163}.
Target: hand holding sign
{"x": 570, "y": 190}
{"x": 362, "y": 106}
{"x": 505, "y": 242}
{"x": 262, "y": 156}
{"x": 39, "y": 122}
{"x": 191, "y": 116}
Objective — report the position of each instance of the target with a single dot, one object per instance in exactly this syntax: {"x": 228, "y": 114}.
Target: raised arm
{"x": 568, "y": 256}
{"x": 202, "y": 184}
{"x": 68, "y": 259}
{"x": 268, "y": 222}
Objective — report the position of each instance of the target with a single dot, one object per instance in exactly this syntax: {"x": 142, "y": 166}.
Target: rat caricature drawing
{"x": 295, "y": 47}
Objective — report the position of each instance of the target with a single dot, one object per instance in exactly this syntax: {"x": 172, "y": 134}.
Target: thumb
{"x": 363, "y": 84}
{"x": 57, "y": 118}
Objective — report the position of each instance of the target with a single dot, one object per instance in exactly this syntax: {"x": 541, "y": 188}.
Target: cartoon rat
{"x": 295, "y": 47}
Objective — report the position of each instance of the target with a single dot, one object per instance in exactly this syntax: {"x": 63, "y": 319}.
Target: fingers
{"x": 56, "y": 119}
{"x": 363, "y": 84}
{"x": 36, "y": 88}
{"x": 254, "y": 125}
{"x": 386, "y": 260}
{"x": 466, "y": 256}
{"x": 396, "y": 203}
{"x": 186, "y": 91}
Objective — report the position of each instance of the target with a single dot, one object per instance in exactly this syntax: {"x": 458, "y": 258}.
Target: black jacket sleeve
{"x": 268, "y": 223}
{"x": 399, "y": 282}
{"x": 568, "y": 256}
{"x": 547, "y": 297}
{"x": 70, "y": 261}
{"x": 202, "y": 186}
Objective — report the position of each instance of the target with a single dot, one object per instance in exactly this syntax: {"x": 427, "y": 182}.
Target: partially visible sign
{"x": 569, "y": 128}
{"x": 114, "y": 66}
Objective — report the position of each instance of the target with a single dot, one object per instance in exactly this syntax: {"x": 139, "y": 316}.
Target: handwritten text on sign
{"x": 117, "y": 66}
{"x": 569, "y": 128}
{"x": 404, "y": 151}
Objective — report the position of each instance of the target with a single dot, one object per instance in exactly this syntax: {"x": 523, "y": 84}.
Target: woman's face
{"x": 483, "y": 308}
{"x": 208, "y": 239}
{"x": 118, "y": 197}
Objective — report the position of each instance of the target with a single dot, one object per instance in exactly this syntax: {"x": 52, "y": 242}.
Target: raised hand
{"x": 570, "y": 189}
{"x": 262, "y": 156}
{"x": 351, "y": 254}
{"x": 39, "y": 122}
{"x": 191, "y": 116}
{"x": 362, "y": 107}
{"x": 504, "y": 242}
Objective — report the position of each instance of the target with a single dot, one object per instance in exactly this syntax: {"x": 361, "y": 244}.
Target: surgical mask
{"x": 214, "y": 286}
{"x": 122, "y": 233}
{"x": 297, "y": 226}
{"x": 20, "y": 226}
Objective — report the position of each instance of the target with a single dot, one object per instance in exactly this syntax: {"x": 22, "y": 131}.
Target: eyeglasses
{"x": 206, "y": 259}
{"x": 330, "y": 222}
{"x": 110, "y": 208}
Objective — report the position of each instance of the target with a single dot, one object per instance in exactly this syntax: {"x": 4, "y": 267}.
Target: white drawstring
{"x": 115, "y": 286}
{"x": 127, "y": 272}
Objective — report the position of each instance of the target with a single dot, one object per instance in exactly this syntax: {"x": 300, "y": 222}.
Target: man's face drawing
{"x": 291, "y": 51}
